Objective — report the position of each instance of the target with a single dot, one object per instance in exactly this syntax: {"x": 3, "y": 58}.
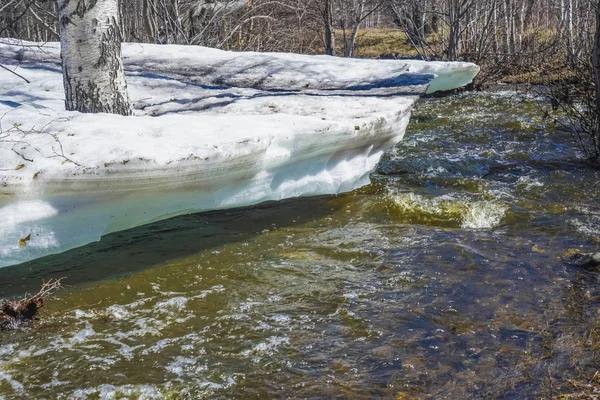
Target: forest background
{"x": 533, "y": 42}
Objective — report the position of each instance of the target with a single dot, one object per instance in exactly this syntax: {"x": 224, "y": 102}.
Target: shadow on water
{"x": 123, "y": 253}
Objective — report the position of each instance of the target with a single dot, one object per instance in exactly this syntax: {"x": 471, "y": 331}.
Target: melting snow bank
{"x": 274, "y": 71}
{"x": 69, "y": 178}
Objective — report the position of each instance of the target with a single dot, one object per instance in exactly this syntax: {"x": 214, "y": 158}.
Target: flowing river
{"x": 445, "y": 278}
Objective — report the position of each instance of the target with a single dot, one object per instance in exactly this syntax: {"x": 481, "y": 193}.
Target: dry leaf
{"x": 570, "y": 253}
{"x": 20, "y": 166}
{"x": 65, "y": 161}
{"x": 23, "y": 242}
{"x": 36, "y": 174}
{"x": 537, "y": 249}
{"x": 357, "y": 128}
{"x": 70, "y": 134}
{"x": 17, "y": 125}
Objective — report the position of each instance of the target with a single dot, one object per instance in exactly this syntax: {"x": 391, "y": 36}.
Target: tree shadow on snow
{"x": 255, "y": 81}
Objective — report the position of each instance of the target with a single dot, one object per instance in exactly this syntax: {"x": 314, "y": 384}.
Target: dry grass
{"x": 373, "y": 43}
{"x": 539, "y": 76}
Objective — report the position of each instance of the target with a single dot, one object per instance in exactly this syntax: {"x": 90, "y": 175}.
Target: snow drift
{"x": 211, "y": 130}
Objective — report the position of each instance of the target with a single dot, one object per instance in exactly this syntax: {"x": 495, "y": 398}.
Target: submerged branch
{"x": 15, "y": 314}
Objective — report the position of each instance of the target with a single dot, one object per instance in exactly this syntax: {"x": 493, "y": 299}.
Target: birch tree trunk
{"x": 596, "y": 66}
{"x": 90, "y": 39}
{"x": 454, "y": 13}
{"x": 434, "y": 17}
{"x": 148, "y": 22}
{"x": 569, "y": 30}
{"x": 496, "y": 47}
{"x": 352, "y": 38}
{"x": 329, "y": 37}
{"x": 350, "y": 43}
{"x": 506, "y": 30}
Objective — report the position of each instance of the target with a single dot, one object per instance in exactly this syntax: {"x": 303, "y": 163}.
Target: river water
{"x": 444, "y": 278}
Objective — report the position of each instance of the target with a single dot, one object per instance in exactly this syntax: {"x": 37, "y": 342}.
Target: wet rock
{"x": 17, "y": 314}
{"x": 583, "y": 260}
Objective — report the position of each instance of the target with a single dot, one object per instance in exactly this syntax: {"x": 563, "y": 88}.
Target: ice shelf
{"x": 211, "y": 130}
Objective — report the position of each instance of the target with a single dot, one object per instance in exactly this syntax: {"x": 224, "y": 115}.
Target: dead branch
{"x": 14, "y": 73}
{"x": 15, "y": 314}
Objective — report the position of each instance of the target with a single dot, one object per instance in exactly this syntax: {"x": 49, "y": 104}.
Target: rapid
{"x": 444, "y": 278}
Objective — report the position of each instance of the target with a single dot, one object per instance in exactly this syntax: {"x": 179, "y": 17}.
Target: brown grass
{"x": 373, "y": 43}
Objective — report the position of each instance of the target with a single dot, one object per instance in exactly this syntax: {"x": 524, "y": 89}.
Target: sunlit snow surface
{"x": 211, "y": 130}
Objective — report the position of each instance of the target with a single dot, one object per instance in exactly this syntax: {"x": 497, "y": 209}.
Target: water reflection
{"x": 137, "y": 249}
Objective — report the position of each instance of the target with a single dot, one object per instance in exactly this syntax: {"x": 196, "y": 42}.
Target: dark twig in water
{"x": 16, "y": 314}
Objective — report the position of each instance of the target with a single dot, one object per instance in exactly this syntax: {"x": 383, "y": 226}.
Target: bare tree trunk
{"x": 506, "y": 30}
{"x": 569, "y": 30}
{"x": 434, "y": 17}
{"x": 177, "y": 36}
{"x": 454, "y": 41}
{"x": 522, "y": 24}
{"x": 352, "y": 38}
{"x": 454, "y": 34}
{"x": 147, "y": 15}
{"x": 47, "y": 28}
{"x": 90, "y": 39}
{"x": 495, "y": 30}
{"x": 351, "y": 41}
{"x": 329, "y": 38}
{"x": 596, "y": 66}
{"x": 511, "y": 17}
{"x": 422, "y": 24}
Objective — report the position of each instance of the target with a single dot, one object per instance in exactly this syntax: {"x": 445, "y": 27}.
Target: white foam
{"x": 106, "y": 392}
{"x": 83, "y": 334}
{"x": 470, "y": 214}
{"x": 268, "y": 347}
{"x": 177, "y": 303}
{"x": 483, "y": 215}
{"x": 14, "y": 384}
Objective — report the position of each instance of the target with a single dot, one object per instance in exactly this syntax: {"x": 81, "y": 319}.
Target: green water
{"x": 443, "y": 279}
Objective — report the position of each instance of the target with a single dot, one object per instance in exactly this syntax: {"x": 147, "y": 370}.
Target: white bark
{"x": 328, "y": 21}
{"x": 90, "y": 40}
{"x": 569, "y": 30}
{"x": 506, "y": 29}
{"x": 596, "y": 71}
{"x": 356, "y": 20}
